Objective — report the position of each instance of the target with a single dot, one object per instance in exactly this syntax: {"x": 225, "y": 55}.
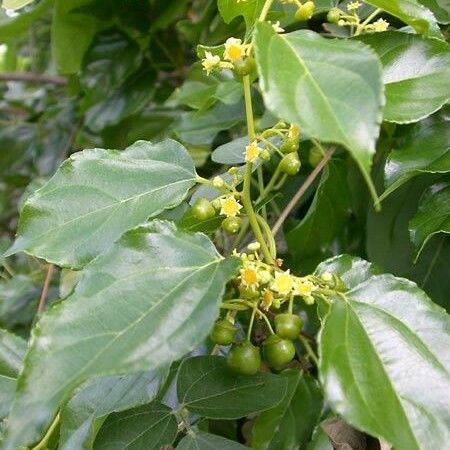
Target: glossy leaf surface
{"x": 55, "y": 225}
{"x": 415, "y": 73}
{"x": 12, "y": 351}
{"x": 421, "y": 148}
{"x": 207, "y": 441}
{"x": 412, "y": 13}
{"x": 291, "y": 423}
{"x": 207, "y": 387}
{"x": 148, "y": 427}
{"x": 331, "y": 88}
{"x": 89, "y": 407}
{"x": 250, "y": 10}
{"x": 145, "y": 303}
{"x": 433, "y": 216}
{"x": 326, "y": 216}
{"x": 376, "y": 346}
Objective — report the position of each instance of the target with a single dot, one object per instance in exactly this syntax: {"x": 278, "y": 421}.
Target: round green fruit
{"x": 278, "y": 352}
{"x": 315, "y": 156}
{"x": 244, "y": 358}
{"x": 232, "y": 224}
{"x": 333, "y": 16}
{"x": 223, "y": 332}
{"x": 288, "y": 326}
{"x": 305, "y": 11}
{"x": 203, "y": 209}
{"x": 290, "y": 145}
{"x": 245, "y": 66}
{"x": 290, "y": 164}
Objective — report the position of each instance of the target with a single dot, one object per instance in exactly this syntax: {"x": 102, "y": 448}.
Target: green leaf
{"x": 408, "y": 158}
{"x": 86, "y": 411}
{"x": 206, "y": 386}
{"x": 326, "y": 217}
{"x": 412, "y": 13}
{"x": 388, "y": 242}
{"x": 90, "y": 201}
{"x": 231, "y": 153}
{"x": 331, "y": 88}
{"x": 143, "y": 304}
{"x": 249, "y": 9}
{"x": 206, "y": 441}
{"x": 291, "y": 423}
{"x": 353, "y": 271}
{"x": 433, "y": 216}
{"x": 377, "y": 345}
{"x": 15, "y": 4}
{"x": 440, "y": 9}
{"x": 148, "y": 427}
{"x": 415, "y": 74}
{"x": 72, "y": 33}
{"x": 320, "y": 441}
{"x": 18, "y": 300}
{"x": 112, "y": 58}
{"x": 201, "y": 127}
{"x": 129, "y": 99}
{"x": 12, "y": 351}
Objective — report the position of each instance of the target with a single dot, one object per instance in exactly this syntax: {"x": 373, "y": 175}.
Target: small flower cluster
{"x": 270, "y": 284}
{"x": 352, "y": 19}
{"x": 234, "y": 51}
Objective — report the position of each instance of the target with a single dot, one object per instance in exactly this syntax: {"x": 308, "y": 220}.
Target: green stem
{"x": 291, "y": 305}
{"x": 250, "y": 326}
{"x": 261, "y": 188}
{"x": 246, "y": 191}
{"x": 309, "y": 350}
{"x": 265, "y": 10}
{"x": 266, "y": 319}
{"x": 43, "y": 444}
{"x": 270, "y": 185}
{"x": 271, "y": 241}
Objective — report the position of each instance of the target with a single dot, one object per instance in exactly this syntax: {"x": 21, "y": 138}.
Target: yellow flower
{"x": 210, "y": 62}
{"x": 380, "y": 25}
{"x": 283, "y": 283}
{"x": 353, "y": 6}
{"x": 249, "y": 276}
{"x": 234, "y": 49}
{"x": 294, "y": 131}
{"x": 230, "y": 207}
{"x": 304, "y": 288}
{"x": 252, "y": 152}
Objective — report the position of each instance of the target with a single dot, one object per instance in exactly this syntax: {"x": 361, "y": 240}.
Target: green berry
{"x": 203, "y": 209}
{"x": 223, "y": 332}
{"x": 290, "y": 145}
{"x": 305, "y": 11}
{"x": 232, "y": 224}
{"x": 244, "y": 358}
{"x": 315, "y": 156}
{"x": 290, "y": 164}
{"x": 333, "y": 16}
{"x": 278, "y": 352}
{"x": 288, "y": 326}
{"x": 244, "y": 66}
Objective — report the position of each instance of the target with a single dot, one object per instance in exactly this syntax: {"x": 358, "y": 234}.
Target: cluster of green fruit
{"x": 203, "y": 210}
{"x": 278, "y": 349}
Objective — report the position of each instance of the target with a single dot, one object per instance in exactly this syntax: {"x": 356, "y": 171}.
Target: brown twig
{"x": 33, "y": 78}
{"x": 303, "y": 188}
{"x": 44, "y": 293}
